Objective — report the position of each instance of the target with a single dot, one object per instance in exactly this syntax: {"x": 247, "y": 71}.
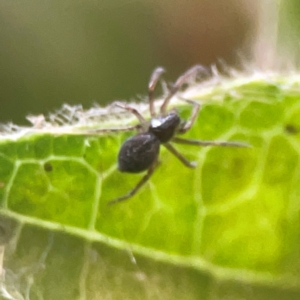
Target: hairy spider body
{"x": 140, "y": 152}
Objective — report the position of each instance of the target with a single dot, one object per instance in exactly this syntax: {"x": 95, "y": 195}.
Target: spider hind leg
{"x": 138, "y": 186}
{"x": 183, "y": 159}
{"x": 210, "y": 143}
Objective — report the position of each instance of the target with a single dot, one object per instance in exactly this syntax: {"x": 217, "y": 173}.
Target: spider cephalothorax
{"x": 164, "y": 128}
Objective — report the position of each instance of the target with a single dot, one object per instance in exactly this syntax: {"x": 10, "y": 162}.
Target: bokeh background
{"x": 84, "y": 52}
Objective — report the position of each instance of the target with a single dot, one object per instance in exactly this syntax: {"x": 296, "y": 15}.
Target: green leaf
{"x": 227, "y": 229}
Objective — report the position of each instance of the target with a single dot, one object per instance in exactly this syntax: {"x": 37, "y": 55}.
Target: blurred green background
{"x": 82, "y": 52}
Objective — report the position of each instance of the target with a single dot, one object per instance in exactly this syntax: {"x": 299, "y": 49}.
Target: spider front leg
{"x": 137, "y": 127}
{"x": 190, "y": 122}
{"x": 185, "y": 78}
{"x": 137, "y": 187}
{"x": 130, "y": 109}
{"x": 151, "y": 87}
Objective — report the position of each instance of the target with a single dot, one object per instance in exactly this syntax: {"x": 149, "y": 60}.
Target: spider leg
{"x": 185, "y": 78}
{"x": 195, "y": 112}
{"x": 209, "y": 143}
{"x": 137, "y": 127}
{"x": 184, "y": 160}
{"x": 137, "y": 187}
{"x": 130, "y": 109}
{"x": 151, "y": 87}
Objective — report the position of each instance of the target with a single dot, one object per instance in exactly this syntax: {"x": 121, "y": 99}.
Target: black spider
{"x": 140, "y": 152}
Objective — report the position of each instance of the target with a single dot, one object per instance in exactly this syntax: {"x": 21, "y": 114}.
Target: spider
{"x": 141, "y": 152}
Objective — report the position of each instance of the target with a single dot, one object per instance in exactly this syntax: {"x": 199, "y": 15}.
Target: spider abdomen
{"x": 138, "y": 153}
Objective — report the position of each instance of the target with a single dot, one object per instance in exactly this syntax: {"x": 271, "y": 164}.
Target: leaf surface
{"x": 229, "y": 228}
